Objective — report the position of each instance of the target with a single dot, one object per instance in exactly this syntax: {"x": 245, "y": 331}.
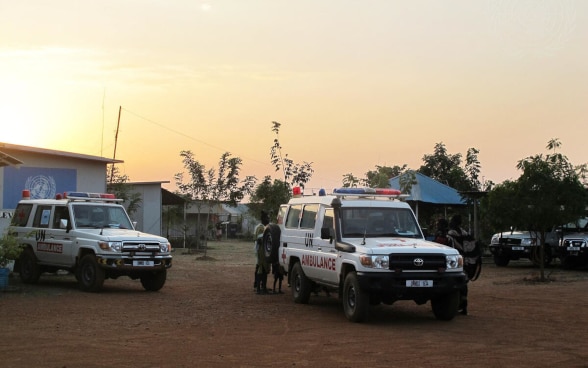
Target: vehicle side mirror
{"x": 64, "y": 224}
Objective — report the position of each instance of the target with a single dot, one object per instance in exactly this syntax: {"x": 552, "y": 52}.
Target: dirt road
{"x": 208, "y": 316}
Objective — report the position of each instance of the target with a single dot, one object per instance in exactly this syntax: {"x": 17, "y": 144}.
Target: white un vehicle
{"x": 89, "y": 235}
{"x": 365, "y": 246}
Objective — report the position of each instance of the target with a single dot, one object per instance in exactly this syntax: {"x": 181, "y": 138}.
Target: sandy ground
{"x": 208, "y": 316}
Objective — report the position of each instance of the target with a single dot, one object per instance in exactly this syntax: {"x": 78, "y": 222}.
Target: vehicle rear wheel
{"x": 29, "y": 269}
{"x": 355, "y": 301}
{"x": 445, "y": 306}
{"x": 501, "y": 261}
{"x": 301, "y": 285}
{"x": 153, "y": 281}
{"x": 90, "y": 274}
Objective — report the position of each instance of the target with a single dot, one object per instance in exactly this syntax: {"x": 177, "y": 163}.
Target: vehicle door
{"x": 325, "y": 246}
{"x": 319, "y": 262}
{"x": 60, "y": 236}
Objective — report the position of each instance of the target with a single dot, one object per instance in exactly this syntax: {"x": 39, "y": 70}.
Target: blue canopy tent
{"x": 430, "y": 191}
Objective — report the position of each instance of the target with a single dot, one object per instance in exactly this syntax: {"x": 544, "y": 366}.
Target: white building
{"x": 47, "y": 172}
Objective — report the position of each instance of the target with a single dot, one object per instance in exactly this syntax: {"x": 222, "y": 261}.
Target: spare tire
{"x": 271, "y": 242}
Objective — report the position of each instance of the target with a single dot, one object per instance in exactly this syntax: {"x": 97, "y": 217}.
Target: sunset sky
{"x": 354, "y": 84}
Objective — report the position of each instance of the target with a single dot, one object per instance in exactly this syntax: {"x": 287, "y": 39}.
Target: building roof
{"x": 7, "y": 160}
{"x": 428, "y": 190}
{"x": 169, "y": 198}
{"x": 239, "y": 209}
{"x": 14, "y": 148}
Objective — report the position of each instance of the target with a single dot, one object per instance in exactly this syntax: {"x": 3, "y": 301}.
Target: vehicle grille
{"x": 574, "y": 243}
{"x": 510, "y": 241}
{"x": 411, "y": 262}
{"x": 140, "y": 247}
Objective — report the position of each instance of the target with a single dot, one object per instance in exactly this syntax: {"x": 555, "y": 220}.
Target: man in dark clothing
{"x": 262, "y": 266}
{"x": 457, "y": 235}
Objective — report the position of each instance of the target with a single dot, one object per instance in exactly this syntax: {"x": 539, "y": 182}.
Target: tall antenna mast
{"x": 115, "y": 141}
{"x": 102, "y": 141}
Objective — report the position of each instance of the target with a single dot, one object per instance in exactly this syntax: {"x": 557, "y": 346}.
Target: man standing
{"x": 262, "y": 266}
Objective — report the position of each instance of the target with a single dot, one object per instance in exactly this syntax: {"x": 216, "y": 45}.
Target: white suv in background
{"x": 89, "y": 235}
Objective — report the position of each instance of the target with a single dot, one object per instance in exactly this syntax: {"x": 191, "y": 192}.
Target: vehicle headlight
{"x": 454, "y": 261}
{"x": 527, "y": 241}
{"x": 495, "y": 239}
{"x": 114, "y": 246}
{"x": 376, "y": 261}
{"x": 165, "y": 247}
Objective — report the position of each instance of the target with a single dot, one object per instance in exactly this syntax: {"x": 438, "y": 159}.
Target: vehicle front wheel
{"x": 153, "y": 281}
{"x": 445, "y": 306}
{"x": 29, "y": 269}
{"x": 301, "y": 285}
{"x": 90, "y": 274}
{"x": 355, "y": 301}
{"x": 567, "y": 262}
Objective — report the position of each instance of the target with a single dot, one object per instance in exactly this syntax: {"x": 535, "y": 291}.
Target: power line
{"x": 201, "y": 141}
{"x": 187, "y": 136}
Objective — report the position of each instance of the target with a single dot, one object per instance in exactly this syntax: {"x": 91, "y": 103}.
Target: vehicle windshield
{"x": 100, "y": 216}
{"x": 374, "y": 222}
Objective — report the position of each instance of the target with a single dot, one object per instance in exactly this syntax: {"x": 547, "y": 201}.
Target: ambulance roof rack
{"x": 86, "y": 196}
{"x": 369, "y": 192}
{"x": 380, "y": 193}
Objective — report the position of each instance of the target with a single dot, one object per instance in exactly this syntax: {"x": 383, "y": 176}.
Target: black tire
{"x": 90, "y": 274}
{"x": 501, "y": 261}
{"x": 153, "y": 281}
{"x": 301, "y": 285}
{"x": 271, "y": 243}
{"x": 355, "y": 301}
{"x": 445, "y": 306}
{"x": 28, "y": 267}
{"x": 567, "y": 262}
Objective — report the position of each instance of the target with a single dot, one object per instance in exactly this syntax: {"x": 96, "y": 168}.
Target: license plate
{"x": 518, "y": 248}
{"x": 142, "y": 263}
{"x": 573, "y": 249}
{"x": 419, "y": 283}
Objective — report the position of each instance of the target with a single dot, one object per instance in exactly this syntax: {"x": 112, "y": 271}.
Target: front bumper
{"x": 575, "y": 251}
{"x": 411, "y": 285}
{"x": 511, "y": 251}
{"x": 135, "y": 263}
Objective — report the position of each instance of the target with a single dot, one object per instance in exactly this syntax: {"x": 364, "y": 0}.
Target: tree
{"x": 210, "y": 187}
{"x": 380, "y": 178}
{"x": 497, "y": 206}
{"x": 294, "y": 173}
{"x": 407, "y": 180}
{"x": 118, "y": 184}
{"x": 350, "y": 181}
{"x": 173, "y": 218}
{"x": 268, "y": 196}
{"x": 548, "y": 193}
{"x": 472, "y": 168}
{"x": 446, "y": 168}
